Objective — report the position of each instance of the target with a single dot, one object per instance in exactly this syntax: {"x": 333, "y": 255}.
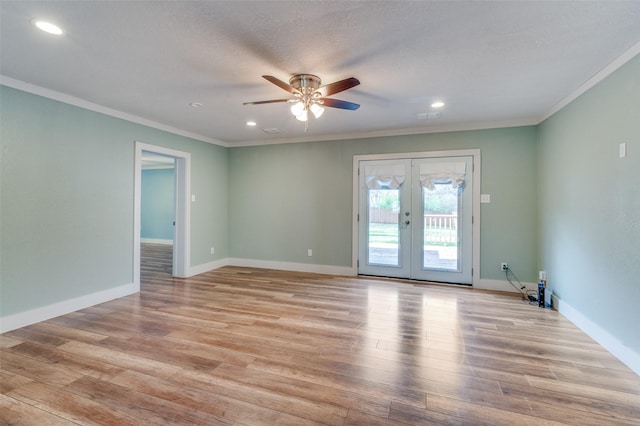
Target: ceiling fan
{"x": 308, "y": 95}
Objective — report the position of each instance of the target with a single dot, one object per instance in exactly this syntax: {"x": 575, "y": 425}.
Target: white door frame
{"x": 182, "y": 229}
{"x": 475, "y": 153}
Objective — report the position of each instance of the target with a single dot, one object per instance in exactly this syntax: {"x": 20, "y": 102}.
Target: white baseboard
{"x": 604, "y": 338}
{"x": 22, "y": 319}
{"x": 156, "y": 241}
{"x": 484, "y": 284}
{"x": 609, "y": 342}
{"x": 501, "y": 285}
{"x": 296, "y": 267}
{"x": 206, "y": 267}
{"x": 270, "y": 264}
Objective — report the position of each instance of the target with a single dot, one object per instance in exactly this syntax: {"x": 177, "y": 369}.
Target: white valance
{"x": 389, "y": 176}
{"x": 432, "y": 173}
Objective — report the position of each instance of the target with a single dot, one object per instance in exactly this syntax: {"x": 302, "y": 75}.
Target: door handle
{"x": 406, "y": 222}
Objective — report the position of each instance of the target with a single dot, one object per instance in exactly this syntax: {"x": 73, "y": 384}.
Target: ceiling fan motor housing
{"x": 305, "y": 81}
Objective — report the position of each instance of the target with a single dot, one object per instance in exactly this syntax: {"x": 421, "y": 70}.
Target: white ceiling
{"x": 494, "y": 63}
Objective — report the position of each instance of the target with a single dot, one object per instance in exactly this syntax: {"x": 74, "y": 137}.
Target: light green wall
{"x": 589, "y": 204}
{"x": 66, "y": 200}
{"x": 561, "y": 200}
{"x": 157, "y": 205}
{"x": 288, "y": 198}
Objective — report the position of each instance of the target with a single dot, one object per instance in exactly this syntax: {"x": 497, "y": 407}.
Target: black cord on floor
{"x": 528, "y": 295}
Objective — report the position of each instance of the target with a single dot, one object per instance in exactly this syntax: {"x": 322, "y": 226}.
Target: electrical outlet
{"x": 309, "y": 252}
{"x": 504, "y": 266}
{"x": 213, "y": 250}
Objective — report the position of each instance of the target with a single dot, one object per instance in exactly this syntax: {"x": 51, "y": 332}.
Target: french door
{"x": 415, "y": 218}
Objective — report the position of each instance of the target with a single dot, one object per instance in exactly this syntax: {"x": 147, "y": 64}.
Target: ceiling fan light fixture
{"x": 297, "y": 108}
{"x": 309, "y": 95}
{"x": 317, "y": 110}
{"x": 303, "y": 116}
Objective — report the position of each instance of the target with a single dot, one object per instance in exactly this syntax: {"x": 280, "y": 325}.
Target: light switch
{"x": 485, "y": 198}
{"x": 193, "y": 197}
{"x": 623, "y": 149}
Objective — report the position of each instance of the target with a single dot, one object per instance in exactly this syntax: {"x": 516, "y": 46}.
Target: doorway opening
{"x": 157, "y": 215}
{"x": 181, "y": 207}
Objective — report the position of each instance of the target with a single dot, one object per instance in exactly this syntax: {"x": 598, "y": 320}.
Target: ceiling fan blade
{"x": 281, "y": 84}
{"x": 338, "y": 86}
{"x": 336, "y": 103}
{"x": 273, "y": 101}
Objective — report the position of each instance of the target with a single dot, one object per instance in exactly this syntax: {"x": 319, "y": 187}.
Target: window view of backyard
{"x": 440, "y": 225}
{"x": 384, "y": 227}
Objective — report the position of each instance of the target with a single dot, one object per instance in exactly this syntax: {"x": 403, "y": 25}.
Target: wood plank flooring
{"x": 240, "y": 346}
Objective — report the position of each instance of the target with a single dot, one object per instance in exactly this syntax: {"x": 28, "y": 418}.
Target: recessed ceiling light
{"x": 195, "y": 104}
{"x": 438, "y": 104}
{"x": 251, "y": 123}
{"x": 48, "y": 27}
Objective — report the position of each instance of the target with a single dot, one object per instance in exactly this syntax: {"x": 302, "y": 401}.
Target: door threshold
{"x": 416, "y": 281}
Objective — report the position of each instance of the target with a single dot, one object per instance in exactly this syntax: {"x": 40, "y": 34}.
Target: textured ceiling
{"x": 493, "y": 63}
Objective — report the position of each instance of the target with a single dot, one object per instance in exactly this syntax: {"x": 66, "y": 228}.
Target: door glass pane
{"x": 383, "y": 227}
{"x": 440, "y": 248}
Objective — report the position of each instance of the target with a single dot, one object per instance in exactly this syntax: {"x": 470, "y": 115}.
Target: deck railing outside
{"x": 440, "y": 228}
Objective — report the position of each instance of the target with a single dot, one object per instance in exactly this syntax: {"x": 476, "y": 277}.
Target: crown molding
{"x": 460, "y": 127}
{"x": 72, "y": 100}
{"x": 595, "y": 79}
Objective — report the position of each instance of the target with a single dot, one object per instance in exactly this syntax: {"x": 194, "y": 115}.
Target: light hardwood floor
{"x": 261, "y": 347}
